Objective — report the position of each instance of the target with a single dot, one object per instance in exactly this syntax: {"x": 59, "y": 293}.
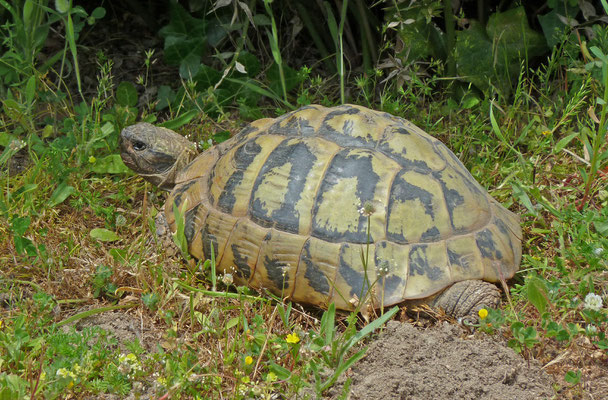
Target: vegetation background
{"x": 518, "y": 90}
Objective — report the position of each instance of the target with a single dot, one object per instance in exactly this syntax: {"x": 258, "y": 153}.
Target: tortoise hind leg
{"x": 466, "y": 298}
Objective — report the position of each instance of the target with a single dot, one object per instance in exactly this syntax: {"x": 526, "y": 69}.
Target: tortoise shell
{"x": 291, "y": 204}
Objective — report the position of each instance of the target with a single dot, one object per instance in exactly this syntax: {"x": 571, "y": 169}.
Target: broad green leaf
{"x": 98, "y": 13}
{"x": 185, "y": 36}
{"x": 573, "y": 377}
{"x": 281, "y": 372}
{"x": 126, "y": 94}
{"x": 494, "y": 54}
{"x": 599, "y": 54}
{"x": 6, "y": 138}
{"x": 470, "y": 101}
{"x": 29, "y": 9}
{"x": 28, "y": 187}
{"x": 179, "y": 49}
{"x": 261, "y": 20}
{"x": 107, "y": 129}
{"x": 511, "y": 32}
{"x": 19, "y": 225}
{"x": 189, "y": 66}
{"x": 62, "y": 192}
{"x": 180, "y": 121}
{"x": 563, "y": 142}
{"x": 119, "y": 255}
{"x": 537, "y": 293}
{"x": 554, "y": 28}
{"x": 327, "y": 324}
{"x": 221, "y": 136}
{"x": 540, "y": 199}
{"x": 274, "y": 47}
{"x": 232, "y": 322}
{"x": 71, "y": 37}
{"x": 562, "y": 335}
{"x": 165, "y": 97}
{"x": 13, "y": 110}
{"x": 24, "y": 245}
{"x": 62, "y": 6}
{"x": 13, "y": 147}
{"x": 331, "y": 23}
{"x": 104, "y": 235}
{"x": 601, "y": 227}
{"x": 111, "y": 164}
{"x": 206, "y": 77}
{"x": 473, "y": 54}
{"x": 520, "y": 194}
{"x": 251, "y": 64}
{"x": 30, "y": 90}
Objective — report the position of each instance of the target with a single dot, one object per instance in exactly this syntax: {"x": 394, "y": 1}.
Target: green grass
{"x": 77, "y": 242}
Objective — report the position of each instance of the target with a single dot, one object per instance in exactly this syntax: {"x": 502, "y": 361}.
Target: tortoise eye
{"x": 139, "y": 146}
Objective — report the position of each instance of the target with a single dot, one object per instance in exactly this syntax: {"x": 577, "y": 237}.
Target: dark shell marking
{"x": 280, "y": 202}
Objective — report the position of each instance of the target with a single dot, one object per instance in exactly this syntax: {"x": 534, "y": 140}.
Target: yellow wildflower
{"x": 483, "y": 313}
{"x": 292, "y": 338}
{"x": 248, "y": 360}
{"x": 92, "y": 160}
{"x": 546, "y": 133}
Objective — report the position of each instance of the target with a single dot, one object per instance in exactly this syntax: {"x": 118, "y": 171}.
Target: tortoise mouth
{"x": 126, "y": 153}
{"x": 128, "y": 160}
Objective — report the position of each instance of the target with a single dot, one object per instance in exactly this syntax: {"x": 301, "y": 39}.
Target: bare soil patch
{"x": 126, "y": 327}
{"x": 406, "y": 362}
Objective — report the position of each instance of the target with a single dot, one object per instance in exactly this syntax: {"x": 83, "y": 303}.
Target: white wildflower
{"x": 593, "y": 302}
{"x": 384, "y": 267}
{"x": 367, "y": 209}
{"x": 227, "y": 279}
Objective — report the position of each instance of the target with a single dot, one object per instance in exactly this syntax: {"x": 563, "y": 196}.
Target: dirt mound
{"x": 125, "y": 327}
{"x": 438, "y": 363}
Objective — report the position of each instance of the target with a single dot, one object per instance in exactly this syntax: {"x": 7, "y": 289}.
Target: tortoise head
{"x": 158, "y": 154}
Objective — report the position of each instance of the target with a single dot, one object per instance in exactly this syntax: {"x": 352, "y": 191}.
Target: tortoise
{"x": 291, "y": 204}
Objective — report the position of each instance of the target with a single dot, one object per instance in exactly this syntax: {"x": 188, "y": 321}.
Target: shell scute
{"x": 428, "y": 269}
{"x": 353, "y": 177}
{"x": 464, "y": 258}
{"x": 280, "y": 185}
{"x": 468, "y": 208}
{"x": 352, "y": 280}
{"x": 243, "y": 248}
{"x": 392, "y": 262}
{"x": 412, "y": 151}
{"x": 316, "y": 273}
{"x": 232, "y": 178}
{"x": 278, "y": 262}
{"x": 416, "y": 209}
